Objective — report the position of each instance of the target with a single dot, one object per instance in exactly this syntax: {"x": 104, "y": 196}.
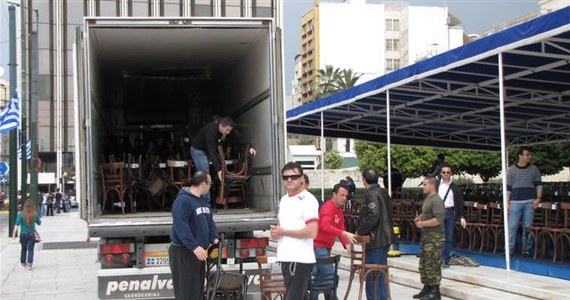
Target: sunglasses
{"x": 292, "y": 177}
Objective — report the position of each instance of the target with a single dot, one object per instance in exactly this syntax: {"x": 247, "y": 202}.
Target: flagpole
{"x": 13, "y": 175}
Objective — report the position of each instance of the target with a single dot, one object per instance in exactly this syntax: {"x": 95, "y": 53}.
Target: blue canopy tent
{"x": 509, "y": 88}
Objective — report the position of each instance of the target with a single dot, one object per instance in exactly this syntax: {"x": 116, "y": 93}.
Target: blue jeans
{"x": 58, "y": 206}
{"x": 449, "y": 227}
{"x": 200, "y": 159}
{"x": 27, "y": 242}
{"x": 324, "y": 270}
{"x": 376, "y": 256}
{"x": 518, "y": 208}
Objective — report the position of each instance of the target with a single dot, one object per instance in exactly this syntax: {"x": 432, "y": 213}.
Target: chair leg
{"x": 362, "y": 279}
{"x": 350, "y": 278}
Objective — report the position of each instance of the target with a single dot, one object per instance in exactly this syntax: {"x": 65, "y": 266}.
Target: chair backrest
{"x": 496, "y": 213}
{"x": 483, "y": 214}
{"x": 269, "y": 282}
{"x": 324, "y": 282}
{"x": 358, "y": 253}
{"x": 112, "y": 174}
{"x": 565, "y": 207}
{"x": 241, "y": 167}
{"x": 179, "y": 171}
{"x": 551, "y": 214}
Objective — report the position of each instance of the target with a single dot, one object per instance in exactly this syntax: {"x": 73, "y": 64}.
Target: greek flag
{"x": 28, "y": 151}
{"x": 10, "y": 116}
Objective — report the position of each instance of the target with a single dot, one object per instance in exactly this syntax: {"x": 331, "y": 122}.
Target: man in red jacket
{"x": 331, "y": 226}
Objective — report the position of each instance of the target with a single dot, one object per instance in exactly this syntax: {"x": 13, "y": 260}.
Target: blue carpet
{"x": 518, "y": 263}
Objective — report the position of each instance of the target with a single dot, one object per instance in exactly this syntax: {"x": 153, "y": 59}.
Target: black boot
{"x": 432, "y": 294}
{"x": 423, "y": 292}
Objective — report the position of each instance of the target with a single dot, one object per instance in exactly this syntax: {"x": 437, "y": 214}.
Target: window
{"x": 392, "y": 44}
{"x": 392, "y": 64}
{"x": 392, "y": 24}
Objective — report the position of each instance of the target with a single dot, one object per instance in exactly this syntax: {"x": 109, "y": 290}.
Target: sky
{"x": 475, "y": 15}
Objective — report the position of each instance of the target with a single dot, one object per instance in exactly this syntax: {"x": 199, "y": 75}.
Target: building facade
{"x": 371, "y": 39}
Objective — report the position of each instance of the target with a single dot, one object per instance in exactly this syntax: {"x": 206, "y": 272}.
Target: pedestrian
{"x": 351, "y": 187}
{"x": 297, "y": 227}
{"x": 331, "y": 226}
{"x": 452, "y": 197}
{"x": 397, "y": 181}
{"x": 376, "y": 221}
{"x": 50, "y": 204}
{"x": 193, "y": 232}
{"x": 431, "y": 223}
{"x": 437, "y": 166}
{"x": 26, "y": 223}
{"x": 58, "y": 198}
{"x": 205, "y": 143}
{"x": 524, "y": 193}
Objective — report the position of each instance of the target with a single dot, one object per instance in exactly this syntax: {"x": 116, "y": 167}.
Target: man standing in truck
{"x": 193, "y": 231}
{"x": 205, "y": 143}
{"x": 297, "y": 227}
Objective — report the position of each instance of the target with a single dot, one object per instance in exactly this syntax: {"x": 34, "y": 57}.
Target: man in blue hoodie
{"x": 193, "y": 231}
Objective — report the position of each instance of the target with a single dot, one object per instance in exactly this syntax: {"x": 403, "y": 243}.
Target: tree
{"x": 333, "y": 160}
{"x": 332, "y": 80}
{"x": 327, "y": 79}
{"x": 346, "y": 79}
{"x": 417, "y": 161}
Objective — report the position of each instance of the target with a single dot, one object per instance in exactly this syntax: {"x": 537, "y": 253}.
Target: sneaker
{"x": 444, "y": 265}
{"x": 468, "y": 262}
{"x": 29, "y": 266}
{"x": 455, "y": 260}
{"x": 24, "y": 265}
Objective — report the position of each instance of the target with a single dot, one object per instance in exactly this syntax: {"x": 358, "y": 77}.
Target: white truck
{"x": 168, "y": 76}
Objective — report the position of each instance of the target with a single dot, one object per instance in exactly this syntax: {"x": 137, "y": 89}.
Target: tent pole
{"x": 322, "y": 159}
{"x": 388, "y": 144}
{"x": 504, "y": 160}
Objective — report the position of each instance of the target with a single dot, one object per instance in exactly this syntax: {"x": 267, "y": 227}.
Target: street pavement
{"x": 72, "y": 273}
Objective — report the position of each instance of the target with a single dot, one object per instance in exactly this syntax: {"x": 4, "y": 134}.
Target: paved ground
{"x": 71, "y": 273}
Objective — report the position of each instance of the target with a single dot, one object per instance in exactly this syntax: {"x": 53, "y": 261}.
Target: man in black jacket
{"x": 452, "y": 197}
{"x": 376, "y": 221}
{"x": 205, "y": 144}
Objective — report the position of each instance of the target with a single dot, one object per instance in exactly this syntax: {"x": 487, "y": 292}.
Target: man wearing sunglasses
{"x": 452, "y": 197}
{"x": 298, "y": 225}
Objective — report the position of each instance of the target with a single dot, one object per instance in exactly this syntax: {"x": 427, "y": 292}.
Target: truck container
{"x": 144, "y": 86}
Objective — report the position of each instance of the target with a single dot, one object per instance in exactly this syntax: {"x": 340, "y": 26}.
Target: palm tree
{"x": 327, "y": 79}
{"x": 346, "y": 79}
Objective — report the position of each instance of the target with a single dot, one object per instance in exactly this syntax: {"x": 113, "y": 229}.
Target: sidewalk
{"x": 62, "y": 273}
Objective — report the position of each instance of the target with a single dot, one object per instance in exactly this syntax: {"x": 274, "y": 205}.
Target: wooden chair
{"x": 221, "y": 284}
{"x": 270, "y": 282}
{"x": 358, "y": 265}
{"x": 564, "y": 236}
{"x": 479, "y": 228}
{"x": 495, "y": 228}
{"x": 179, "y": 173}
{"x": 112, "y": 179}
{"x": 325, "y": 283}
{"x": 549, "y": 233}
{"x": 233, "y": 186}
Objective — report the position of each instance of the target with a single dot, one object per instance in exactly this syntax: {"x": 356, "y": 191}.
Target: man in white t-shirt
{"x": 298, "y": 226}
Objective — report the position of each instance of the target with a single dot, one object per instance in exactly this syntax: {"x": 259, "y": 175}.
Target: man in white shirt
{"x": 452, "y": 197}
{"x": 297, "y": 227}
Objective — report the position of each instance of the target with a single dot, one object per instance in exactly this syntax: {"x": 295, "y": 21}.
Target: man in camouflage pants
{"x": 431, "y": 223}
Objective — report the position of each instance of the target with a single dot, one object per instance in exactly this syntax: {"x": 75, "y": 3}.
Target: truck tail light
{"x": 109, "y": 259}
{"x": 252, "y": 247}
{"x": 115, "y": 248}
{"x": 125, "y": 258}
